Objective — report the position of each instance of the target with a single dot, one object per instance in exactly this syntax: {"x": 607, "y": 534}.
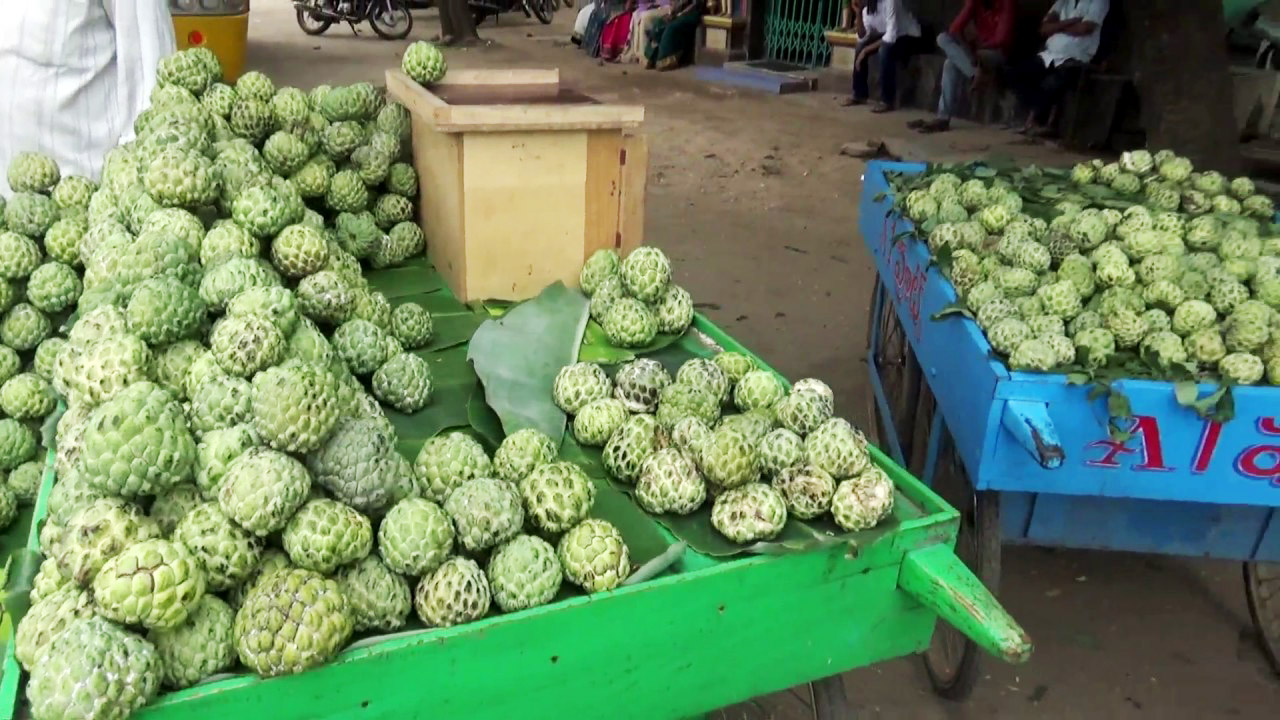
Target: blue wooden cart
{"x": 1029, "y": 458}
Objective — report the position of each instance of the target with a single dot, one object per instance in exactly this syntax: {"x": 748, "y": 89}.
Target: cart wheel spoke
{"x": 1262, "y": 591}
{"x": 897, "y": 373}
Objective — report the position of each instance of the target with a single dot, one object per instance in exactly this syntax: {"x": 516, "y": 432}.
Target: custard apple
{"x": 749, "y": 513}
{"x": 594, "y": 556}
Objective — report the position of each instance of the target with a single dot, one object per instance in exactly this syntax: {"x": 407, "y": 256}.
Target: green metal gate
{"x": 793, "y": 30}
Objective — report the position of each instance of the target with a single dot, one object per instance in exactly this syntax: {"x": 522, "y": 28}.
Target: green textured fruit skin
{"x": 154, "y": 583}
{"x": 228, "y": 552}
{"x": 596, "y": 421}
{"x": 486, "y": 513}
{"x": 94, "y": 669}
{"x": 594, "y": 556}
{"x": 749, "y": 513}
{"x": 457, "y": 592}
{"x": 670, "y": 483}
{"x": 521, "y": 452}
{"x": 295, "y": 405}
{"x": 379, "y": 599}
{"x": 578, "y": 384}
{"x": 862, "y": 501}
{"x": 291, "y": 621}
{"x": 630, "y": 446}
{"x": 138, "y": 443}
{"x": 447, "y": 461}
{"x": 202, "y": 646}
{"x": 523, "y": 573}
{"x": 557, "y": 496}
{"x": 262, "y": 489}
{"x": 411, "y": 325}
{"x": 424, "y": 62}
{"x": 48, "y": 616}
{"x": 325, "y": 534}
{"x": 415, "y": 537}
{"x": 728, "y": 459}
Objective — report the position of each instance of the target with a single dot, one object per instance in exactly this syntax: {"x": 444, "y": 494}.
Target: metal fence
{"x": 794, "y": 30}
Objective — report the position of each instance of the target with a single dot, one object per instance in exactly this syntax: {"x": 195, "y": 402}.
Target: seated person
{"x": 671, "y": 38}
{"x": 649, "y": 12}
{"x": 975, "y": 46}
{"x": 1071, "y": 30}
{"x": 888, "y": 31}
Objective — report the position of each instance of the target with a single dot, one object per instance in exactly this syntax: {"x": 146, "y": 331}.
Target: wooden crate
{"x": 521, "y": 178}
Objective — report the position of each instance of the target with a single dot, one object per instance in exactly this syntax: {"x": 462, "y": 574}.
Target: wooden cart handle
{"x": 942, "y": 583}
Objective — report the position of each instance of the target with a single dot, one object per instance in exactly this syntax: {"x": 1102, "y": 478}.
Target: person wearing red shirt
{"x": 975, "y": 45}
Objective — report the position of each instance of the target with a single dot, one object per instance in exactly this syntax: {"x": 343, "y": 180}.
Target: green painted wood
{"x": 672, "y": 647}
{"x": 937, "y": 578}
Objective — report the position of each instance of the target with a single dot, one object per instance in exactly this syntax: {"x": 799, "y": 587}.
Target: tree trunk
{"x": 456, "y": 22}
{"x": 1182, "y": 73}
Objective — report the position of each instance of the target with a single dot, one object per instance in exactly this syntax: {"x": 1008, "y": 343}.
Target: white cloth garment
{"x": 73, "y": 76}
{"x": 583, "y": 19}
{"x": 1061, "y": 47}
{"x": 891, "y": 20}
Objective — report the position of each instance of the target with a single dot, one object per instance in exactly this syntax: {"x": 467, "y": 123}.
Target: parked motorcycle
{"x": 390, "y": 19}
{"x": 541, "y": 9}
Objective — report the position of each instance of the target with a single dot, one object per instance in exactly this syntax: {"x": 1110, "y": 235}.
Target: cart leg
{"x": 953, "y": 661}
{"x": 829, "y": 699}
{"x": 1262, "y": 590}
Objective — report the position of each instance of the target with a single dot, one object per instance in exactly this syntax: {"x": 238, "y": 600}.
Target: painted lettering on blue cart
{"x": 1143, "y": 450}
{"x": 908, "y": 279}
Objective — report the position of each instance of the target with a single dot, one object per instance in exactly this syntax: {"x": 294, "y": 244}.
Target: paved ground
{"x": 750, "y": 196}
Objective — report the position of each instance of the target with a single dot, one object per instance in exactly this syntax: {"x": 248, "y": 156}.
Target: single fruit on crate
{"x": 688, "y": 434}
{"x": 424, "y": 63}
{"x": 379, "y": 599}
{"x": 734, "y": 364}
{"x": 228, "y": 552}
{"x": 646, "y": 271}
{"x": 295, "y": 405}
{"x": 246, "y": 344}
{"x": 411, "y": 324}
{"x": 220, "y": 402}
{"x": 25, "y": 481}
{"x": 415, "y": 537}
{"x": 728, "y": 459}
{"x": 374, "y": 307}
{"x": 291, "y": 621}
{"x": 17, "y": 444}
{"x": 594, "y": 556}
{"x": 356, "y": 465}
{"x": 94, "y": 669}
{"x": 674, "y": 310}
{"x": 215, "y": 452}
{"x": 749, "y": 513}
{"x": 299, "y": 250}
{"x": 171, "y": 506}
{"x": 486, "y": 513}
{"x": 48, "y": 616}
{"x": 758, "y": 389}
{"x": 754, "y": 424}
{"x": 602, "y": 264}
{"x": 630, "y": 446}
{"x": 779, "y": 450}
{"x": 277, "y": 304}
{"x": 523, "y": 573}
{"x": 670, "y": 483}
{"x": 154, "y": 583}
{"x": 802, "y": 412}
{"x": 138, "y": 443}
{"x": 681, "y": 400}
{"x": 27, "y": 396}
{"x": 202, "y": 646}
{"x": 33, "y": 172}
{"x": 24, "y": 327}
{"x": 705, "y": 374}
{"x": 578, "y": 384}
{"x": 456, "y": 593}
{"x": 521, "y": 453}
{"x": 53, "y": 287}
{"x": 557, "y": 496}
{"x": 638, "y": 383}
{"x": 629, "y": 323}
{"x": 403, "y": 382}
{"x": 447, "y": 461}
{"x": 861, "y": 502}
{"x": 596, "y": 421}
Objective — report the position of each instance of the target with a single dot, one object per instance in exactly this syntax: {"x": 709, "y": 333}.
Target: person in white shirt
{"x": 1072, "y": 29}
{"x": 73, "y": 76}
{"x": 890, "y": 33}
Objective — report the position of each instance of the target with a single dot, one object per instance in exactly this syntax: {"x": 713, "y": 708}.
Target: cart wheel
{"x": 898, "y": 374}
{"x": 829, "y": 700}
{"x": 1262, "y": 590}
{"x": 952, "y": 660}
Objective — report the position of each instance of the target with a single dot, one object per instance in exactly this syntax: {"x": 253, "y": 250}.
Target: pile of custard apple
{"x": 633, "y": 298}
{"x": 228, "y": 493}
{"x": 1186, "y": 278}
{"x": 727, "y": 432}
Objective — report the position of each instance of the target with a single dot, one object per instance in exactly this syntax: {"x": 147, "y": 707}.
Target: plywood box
{"x": 520, "y": 178}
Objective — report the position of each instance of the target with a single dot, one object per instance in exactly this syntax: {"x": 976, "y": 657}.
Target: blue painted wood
{"x": 1178, "y": 484}
{"x": 775, "y": 83}
{"x": 1029, "y": 423}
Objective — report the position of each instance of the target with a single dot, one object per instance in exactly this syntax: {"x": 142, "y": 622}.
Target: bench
{"x": 721, "y": 39}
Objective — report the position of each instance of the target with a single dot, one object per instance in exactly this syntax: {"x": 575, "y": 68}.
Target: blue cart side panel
{"x": 1233, "y": 532}
{"x": 1170, "y": 452}
{"x": 960, "y": 374}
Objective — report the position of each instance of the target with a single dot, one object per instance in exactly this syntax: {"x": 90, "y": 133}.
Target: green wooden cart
{"x": 703, "y": 633}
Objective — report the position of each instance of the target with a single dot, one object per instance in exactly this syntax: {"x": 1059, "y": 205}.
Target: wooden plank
{"x": 437, "y": 158}
{"x": 511, "y": 76}
{"x": 635, "y": 181}
{"x": 525, "y": 209}
{"x": 507, "y": 118}
{"x": 603, "y": 190}
{"x": 413, "y": 96}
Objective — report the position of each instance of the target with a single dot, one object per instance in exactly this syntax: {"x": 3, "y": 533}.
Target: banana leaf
{"x": 416, "y": 277}
{"x": 518, "y": 355}
{"x": 452, "y": 382}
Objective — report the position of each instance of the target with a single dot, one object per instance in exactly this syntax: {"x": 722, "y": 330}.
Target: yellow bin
{"x": 220, "y": 25}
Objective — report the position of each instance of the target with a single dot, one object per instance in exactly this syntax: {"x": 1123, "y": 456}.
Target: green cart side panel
{"x": 673, "y": 647}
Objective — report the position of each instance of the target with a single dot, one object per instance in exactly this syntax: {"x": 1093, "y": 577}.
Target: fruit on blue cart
{"x": 749, "y": 513}
{"x": 594, "y": 556}
{"x": 670, "y": 483}
{"x": 457, "y": 592}
{"x": 379, "y": 599}
{"x": 94, "y": 668}
{"x": 862, "y": 501}
{"x": 523, "y": 573}
{"x": 291, "y": 621}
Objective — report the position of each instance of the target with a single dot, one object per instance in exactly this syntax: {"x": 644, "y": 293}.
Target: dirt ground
{"x": 750, "y": 196}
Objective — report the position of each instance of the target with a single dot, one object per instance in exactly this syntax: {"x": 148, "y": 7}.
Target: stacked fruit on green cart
{"x": 1136, "y": 268}
{"x": 202, "y": 339}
